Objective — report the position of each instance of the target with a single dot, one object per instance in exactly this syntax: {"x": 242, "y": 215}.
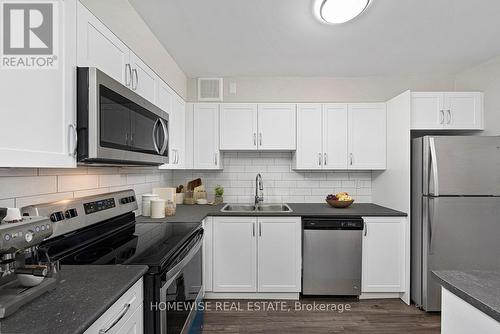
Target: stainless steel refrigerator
{"x": 455, "y": 220}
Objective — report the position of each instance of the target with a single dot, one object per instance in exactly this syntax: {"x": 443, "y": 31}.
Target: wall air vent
{"x": 210, "y": 89}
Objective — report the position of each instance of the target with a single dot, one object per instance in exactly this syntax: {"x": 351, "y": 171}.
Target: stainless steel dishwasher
{"x": 331, "y": 260}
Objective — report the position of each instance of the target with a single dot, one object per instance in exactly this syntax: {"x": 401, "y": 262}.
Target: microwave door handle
{"x": 155, "y": 127}
{"x": 165, "y": 135}
{"x": 434, "y": 166}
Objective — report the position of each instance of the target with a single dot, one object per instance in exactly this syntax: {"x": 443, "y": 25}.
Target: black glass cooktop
{"x": 121, "y": 241}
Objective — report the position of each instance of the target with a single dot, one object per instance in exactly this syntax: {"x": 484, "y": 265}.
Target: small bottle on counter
{"x": 170, "y": 208}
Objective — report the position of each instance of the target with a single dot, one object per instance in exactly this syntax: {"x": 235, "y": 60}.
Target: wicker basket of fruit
{"x": 340, "y": 200}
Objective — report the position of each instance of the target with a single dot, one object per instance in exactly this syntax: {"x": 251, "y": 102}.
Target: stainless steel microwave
{"x": 115, "y": 125}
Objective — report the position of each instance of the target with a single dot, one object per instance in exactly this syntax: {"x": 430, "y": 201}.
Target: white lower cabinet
{"x": 125, "y": 316}
{"x": 384, "y": 250}
{"x": 234, "y": 254}
{"x": 255, "y": 254}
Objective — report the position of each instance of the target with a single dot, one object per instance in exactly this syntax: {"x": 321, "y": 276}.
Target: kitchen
{"x": 145, "y": 97}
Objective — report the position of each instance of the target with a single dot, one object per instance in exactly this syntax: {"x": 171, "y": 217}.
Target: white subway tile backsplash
{"x": 281, "y": 183}
{"x": 26, "y": 186}
{"x": 11, "y": 187}
{"x": 7, "y": 203}
{"x": 46, "y": 198}
{"x": 77, "y": 182}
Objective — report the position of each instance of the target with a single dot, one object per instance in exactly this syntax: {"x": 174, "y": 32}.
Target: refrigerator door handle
{"x": 432, "y": 221}
{"x": 435, "y": 178}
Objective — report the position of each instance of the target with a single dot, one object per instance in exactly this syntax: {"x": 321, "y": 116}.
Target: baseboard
{"x": 380, "y": 295}
{"x": 252, "y": 295}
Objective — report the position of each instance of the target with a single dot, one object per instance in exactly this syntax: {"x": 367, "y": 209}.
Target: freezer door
{"x": 461, "y": 165}
{"x": 458, "y": 233}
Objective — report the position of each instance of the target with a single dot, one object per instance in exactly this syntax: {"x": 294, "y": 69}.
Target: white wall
{"x": 325, "y": 89}
{"x": 26, "y": 186}
{"x": 281, "y": 183}
{"x": 127, "y": 24}
{"x": 486, "y": 78}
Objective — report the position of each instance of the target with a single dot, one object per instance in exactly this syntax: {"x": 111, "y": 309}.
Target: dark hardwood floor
{"x": 383, "y": 316}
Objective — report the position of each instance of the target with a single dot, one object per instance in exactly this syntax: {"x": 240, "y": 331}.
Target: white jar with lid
{"x": 146, "y": 203}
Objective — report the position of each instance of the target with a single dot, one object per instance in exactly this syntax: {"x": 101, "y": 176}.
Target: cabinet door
{"x": 189, "y": 137}
{"x": 206, "y": 136}
{"x": 309, "y": 154}
{"x": 234, "y": 254}
{"x": 238, "y": 126}
{"x": 367, "y": 136}
{"x": 464, "y": 110}
{"x": 276, "y": 124}
{"x": 143, "y": 80}
{"x": 383, "y": 254}
{"x": 279, "y": 254}
{"x": 178, "y": 128}
{"x": 38, "y": 107}
{"x": 427, "y": 110}
{"x": 335, "y": 136}
{"x": 98, "y": 47}
{"x": 208, "y": 254}
{"x": 134, "y": 324}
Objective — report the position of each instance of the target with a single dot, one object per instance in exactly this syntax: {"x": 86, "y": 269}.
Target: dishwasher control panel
{"x": 348, "y": 223}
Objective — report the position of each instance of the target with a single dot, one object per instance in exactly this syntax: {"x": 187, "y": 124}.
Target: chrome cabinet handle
{"x": 128, "y": 70}
{"x": 253, "y": 230}
{"x": 350, "y": 158}
{"x": 325, "y": 160}
{"x": 134, "y": 74}
{"x": 365, "y": 228}
{"x": 215, "y": 159}
{"x": 73, "y": 149}
{"x": 124, "y": 311}
{"x": 176, "y": 157}
{"x": 260, "y": 139}
{"x": 441, "y": 119}
{"x": 165, "y": 134}
{"x": 260, "y": 229}
{"x": 254, "y": 139}
{"x": 319, "y": 159}
{"x": 449, "y": 116}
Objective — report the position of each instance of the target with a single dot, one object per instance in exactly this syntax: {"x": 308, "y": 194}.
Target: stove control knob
{"x": 28, "y": 236}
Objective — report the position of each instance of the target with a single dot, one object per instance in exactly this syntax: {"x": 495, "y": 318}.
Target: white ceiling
{"x": 283, "y": 38}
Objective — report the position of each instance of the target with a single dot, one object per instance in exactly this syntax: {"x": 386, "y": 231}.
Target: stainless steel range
{"x": 102, "y": 230}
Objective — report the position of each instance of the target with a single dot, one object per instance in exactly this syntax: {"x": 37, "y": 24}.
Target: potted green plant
{"x": 219, "y": 192}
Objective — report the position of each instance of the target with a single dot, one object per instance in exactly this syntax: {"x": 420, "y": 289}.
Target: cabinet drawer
{"x": 118, "y": 314}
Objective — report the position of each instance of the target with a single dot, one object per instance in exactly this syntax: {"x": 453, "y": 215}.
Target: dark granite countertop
{"x": 84, "y": 293}
{"x": 196, "y": 213}
{"x": 479, "y": 288}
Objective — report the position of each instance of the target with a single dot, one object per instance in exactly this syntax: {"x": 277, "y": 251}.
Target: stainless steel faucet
{"x": 259, "y": 185}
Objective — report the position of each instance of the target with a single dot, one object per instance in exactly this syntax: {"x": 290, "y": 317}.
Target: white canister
{"x": 179, "y": 198}
{"x": 157, "y": 208}
{"x": 146, "y": 203}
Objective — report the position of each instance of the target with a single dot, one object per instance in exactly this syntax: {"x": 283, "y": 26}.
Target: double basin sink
{"x": 256, "y": 208}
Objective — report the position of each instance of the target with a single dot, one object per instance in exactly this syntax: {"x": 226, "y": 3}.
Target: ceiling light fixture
{"x": 339, "y": 11}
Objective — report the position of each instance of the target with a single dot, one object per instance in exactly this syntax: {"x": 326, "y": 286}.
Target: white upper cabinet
{"x": 238, "y": 126}
{"x": 276, "y": 126}
{"x": 234, "y": 254}
{"x": 279, "y": 254}
{"x": 383, "y": 268}
{"x": 464, "y": 110}
{"x": 98, "y": 47}
{"x": 38, "y": 106}
{"x": 447, "y": 110}
{"x": 175, "y": 107}
{"x": 367, "y": 136}
{"x": 143, "y": 80}
{"x": 206, "y": 154}
{"x": 309, "y": 154}
{"x": 335, "y": 136}
{"x": 340, "y": 136}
